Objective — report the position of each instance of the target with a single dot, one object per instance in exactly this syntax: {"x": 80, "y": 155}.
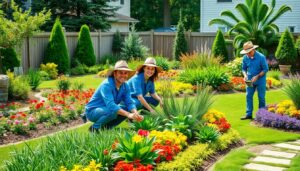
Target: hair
{"x": 153, "y": 77}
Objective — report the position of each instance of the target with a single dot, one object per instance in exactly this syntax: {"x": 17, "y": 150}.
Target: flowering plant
{"x": 135, "y": 166}
{"x": 217, "y": 120}
{"x": 171, "y": 74}
{"x": 285, "y": 107}
{"x": 167, "y": 151}
{"x": 175, "y": 87}
{"x": 169, "y": 137}
{"x": 93, "y": 166}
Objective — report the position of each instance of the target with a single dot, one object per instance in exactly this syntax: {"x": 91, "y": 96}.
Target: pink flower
{"x": 17, "y": 122}
{"x": 31, "y": 119}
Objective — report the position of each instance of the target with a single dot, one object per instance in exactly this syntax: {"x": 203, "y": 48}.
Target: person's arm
{"x": 265, "y": 69}
{"x": 244, "y": 69}
{"x": 145, "y": 103}
{"x": 156, "y": 97}
{"x": 130, "y": 103}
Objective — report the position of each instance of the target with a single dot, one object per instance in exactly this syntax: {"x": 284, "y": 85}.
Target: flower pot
{"x": 285, "y": 69}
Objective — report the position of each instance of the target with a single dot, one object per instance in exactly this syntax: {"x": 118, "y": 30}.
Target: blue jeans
{"x": 261, "y": 90}
{"x": 150, "y": 100}
{"x": 103, "y": 117}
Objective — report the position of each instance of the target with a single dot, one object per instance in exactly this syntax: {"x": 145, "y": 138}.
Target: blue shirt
{"x": 108, "y": 96}
{"x": 138, "y": 86}
{"x": 254, "y": 66}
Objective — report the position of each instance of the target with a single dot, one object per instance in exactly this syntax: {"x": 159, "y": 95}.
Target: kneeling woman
{"x": 143, "y": 83}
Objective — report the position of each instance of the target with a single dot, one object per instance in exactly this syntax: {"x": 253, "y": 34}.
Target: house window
{"x": 224, "y": 0}
{"x": 292, "y": 29}
{"x": 122, "y": 2}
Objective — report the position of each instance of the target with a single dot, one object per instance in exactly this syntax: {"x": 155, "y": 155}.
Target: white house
{"x": 122, "y": 18}
{"x": 212, "y": 9}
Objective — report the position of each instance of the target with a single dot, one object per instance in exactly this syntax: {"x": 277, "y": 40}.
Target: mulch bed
{"x": 40, "y": 131}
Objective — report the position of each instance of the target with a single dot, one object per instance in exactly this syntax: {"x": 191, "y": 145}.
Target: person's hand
{"x": 161, "y": 103}
{"x": 254, "y": 79}
{"x": 139, "y": 118}
{"x": 245, "y": 78}
{"x": 131, "y": 116}
{"x": 152, "y": 111}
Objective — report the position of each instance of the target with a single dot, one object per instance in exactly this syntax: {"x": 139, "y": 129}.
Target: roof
{"x": 122, "y": 18}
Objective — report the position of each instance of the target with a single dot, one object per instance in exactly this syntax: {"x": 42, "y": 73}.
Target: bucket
{"x": 4, "y": 88}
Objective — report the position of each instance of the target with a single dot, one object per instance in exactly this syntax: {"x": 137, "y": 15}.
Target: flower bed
{"x": 239, "y": 84}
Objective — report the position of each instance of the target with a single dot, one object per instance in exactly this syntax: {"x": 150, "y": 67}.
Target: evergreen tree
{"x": 117, "y": 43}
{"x": 286, "y": 52}
{"x": 84, "y": 52}
{"x": 10, "y": 59}
{"x": 180, "y": 44}
{"x": 219, "y": 46}
{"x": 57, "y": 51}
{"x": 132, "y": 47}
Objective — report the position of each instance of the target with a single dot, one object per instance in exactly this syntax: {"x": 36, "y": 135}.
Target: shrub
{"x": 44, "y": 75}
{"x": 292, "y": 90}
{"x": 231, "y": 137}
{"x": 199, "y": 60}
{"x": 162, "y": 62}
{"x": 286, "y": 52}
{"x": 109, "y": 59}
{"x": 219, "y": 47}
{"x": 235, "y": 67}
{"x": 50, "y": 69}
{"x": 207, "y": 134}
{"x": 77, "y": 85}
{"x": 174, "y": 64}
{"x": 180, "y": 44}
{"x": 34, "y": 79}
{"x": 297, "y": 45}
{"x": 132, "y": 47}
{"x": 78, "y": 70}
{"x": 117, "y": 43}
{"x": 274, "y": 74}
{"x": 10, "y": 59}
{"x": 57, "y": 51}
{"x": 84, "y": 52}
{"x": 63, "y": 83}
{"x": 94, "y": 69}
{"x": 18, "y": 87}
{"x": 174, "y": 86}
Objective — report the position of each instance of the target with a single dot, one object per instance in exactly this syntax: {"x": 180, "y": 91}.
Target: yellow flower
{"x": 137, "y": 138}
{"x": 280, "y": 110}
{"x": 63, "y": 168}
{"x": 271, "y": 109}
{"x": 77, "y": 168}
{"x": 93, "y": 166}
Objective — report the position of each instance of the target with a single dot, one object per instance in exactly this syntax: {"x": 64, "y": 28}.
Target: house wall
{"x": 122, "y": 27}
{"x": 212, "y": 9}
{"x": 124, "y": 8}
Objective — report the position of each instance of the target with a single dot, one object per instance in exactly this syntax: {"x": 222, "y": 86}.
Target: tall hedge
{"x": 286, "y": 52}
{"x": 117, "y": 43}
{"x": 57, "y": 51}
{"x": 180, "y": 45}
{"x": 9, "y": 59}
{"x": 84, "y": 52}
{"x": 219, "y": 46}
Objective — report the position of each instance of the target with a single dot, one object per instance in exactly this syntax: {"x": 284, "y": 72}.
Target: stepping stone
{"x": 262, "y": 167}
{"x": 296, "y": 142}
{"x": 288, "y": 146}
{"x": 278, "y": 154}
{"x": 272, "y": 160}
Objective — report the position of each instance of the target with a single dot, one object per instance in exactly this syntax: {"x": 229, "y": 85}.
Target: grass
{"x": 295, "y": 166}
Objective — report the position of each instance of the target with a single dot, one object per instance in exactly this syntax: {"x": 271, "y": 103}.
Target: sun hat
{"x": 248, "y": 47}
{"x": 120, "y": 66}
{"x": 150, "y": 61}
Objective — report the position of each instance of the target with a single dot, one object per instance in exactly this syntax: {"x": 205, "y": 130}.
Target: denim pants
{"x": 150, "y": 100}
{"x": 103, "y": 117}
{"x": 261, "y": 90}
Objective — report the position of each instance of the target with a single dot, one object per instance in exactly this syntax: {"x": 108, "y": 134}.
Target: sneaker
{"x": 83, "y": 117}
{"x": 93, "y": 130}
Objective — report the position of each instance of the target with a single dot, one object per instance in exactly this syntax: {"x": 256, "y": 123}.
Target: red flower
{"x": 105, "y": 152}
{"x": 144, "y": 133}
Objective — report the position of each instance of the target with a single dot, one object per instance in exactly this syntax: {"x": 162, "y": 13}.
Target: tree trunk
{"x": 167, "y": 13}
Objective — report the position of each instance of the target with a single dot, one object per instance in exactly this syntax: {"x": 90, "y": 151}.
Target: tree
{"x": 74, "y": 13}
{"x": 286, "y": 52}
{"x": 84, "y": 52}
{"x": 117, "y": 43}
{"x": 256, "y": 24}
{"x": 219, "y": 46}
{"x": 57, "y": 51}
{"x": 13, "y": 32}
{"x": 180, "y": 45}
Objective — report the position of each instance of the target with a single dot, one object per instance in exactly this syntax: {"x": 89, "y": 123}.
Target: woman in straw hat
{"x": 104, "y": 107}
{"x": 254, "y": 68}
{"x": 143, "y": 83}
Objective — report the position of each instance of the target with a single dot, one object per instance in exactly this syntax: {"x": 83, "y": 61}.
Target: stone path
{"x": 276, "y": 158}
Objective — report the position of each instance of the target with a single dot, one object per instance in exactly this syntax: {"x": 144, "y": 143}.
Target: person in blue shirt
{"x": 111, "y": 103}
{"x": 254, "y": 68}
{"x": 142, "y": 84}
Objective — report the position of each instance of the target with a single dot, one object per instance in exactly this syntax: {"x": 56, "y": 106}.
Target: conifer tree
{"x": 219, "y": 46}
{"x": 180, "y": 44}
{"x": 117, "y": 43}
{"x": 286, "y": 52}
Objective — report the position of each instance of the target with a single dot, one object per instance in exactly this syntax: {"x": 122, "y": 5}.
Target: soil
{"x": 40, "y": 131}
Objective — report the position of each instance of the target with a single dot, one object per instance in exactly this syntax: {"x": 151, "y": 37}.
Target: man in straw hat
{"x": 142, "y": 84}
{"x": 254, "y": 68}
{"x": 104, "y": 108}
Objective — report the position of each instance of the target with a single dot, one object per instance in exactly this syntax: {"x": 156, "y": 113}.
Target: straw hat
{"x": 248, "y": 47}
{"x": 149, "y": 62}
{"x": 121, "y": 66}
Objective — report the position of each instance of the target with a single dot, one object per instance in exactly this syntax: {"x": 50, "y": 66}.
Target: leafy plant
{"x": 297, "y": 45}
{"x": 286, "y": 52}
{"x": 219, "y": 46}
{"x": 10, "y": 59}
{"x": 44, "y": 75}
{"x": 180, "y": 44}
{"x": 181, "y": 123}
{"x": 162, "y": 62}
{"x": 149, "y": 123}
{"x": 235, "y": 67}
{"x": 274, "y": 74}
{"x": 256, "y": 23}
{"x": 132, "y": 147}
{"x": 78, "y": 70}
{"x": 292, "y": 90}
{"x": 51, "y": 69}
{"x": 207, "y": 134}
{"x": 34, "y": 79}
{"x": 76, "y": 85}
{"x": 199, "y": 60}
{"x": 63, "y": 83}
{"x": 18, "y": 87}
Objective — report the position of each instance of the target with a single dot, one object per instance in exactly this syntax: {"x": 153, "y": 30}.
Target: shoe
{"x": 83, "y": 117}
{"x": 93, "y": 130}
{"x": 246, "y": 117}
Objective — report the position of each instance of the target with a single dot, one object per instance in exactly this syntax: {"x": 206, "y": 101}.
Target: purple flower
{"x": 267, "y": 118}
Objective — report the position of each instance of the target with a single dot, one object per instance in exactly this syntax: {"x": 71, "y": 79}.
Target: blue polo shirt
{"x": 254, "y": 66}
{"x": 108, "y": 96}
{"x": 138, "y": 86}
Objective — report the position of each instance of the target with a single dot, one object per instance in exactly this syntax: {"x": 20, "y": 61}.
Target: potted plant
{"x": 286, "y": 52}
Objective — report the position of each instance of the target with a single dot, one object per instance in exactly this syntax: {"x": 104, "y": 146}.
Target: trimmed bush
{"x": 84, "y": 52}
{"x": 286, "y": 52}
{"x": 180, "y": 44}
{"x": 219, "y": 47}
{"x": 10, "y": 59}
{"x": 117, "y": 43}
{"x": 50, "y": 69}
{"x": 57, "y": 51}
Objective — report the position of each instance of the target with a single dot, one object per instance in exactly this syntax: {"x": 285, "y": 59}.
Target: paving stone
{"x": 296, "y": 142}
{"x": 278, "y": 154}
{"x": 272, "y": 160}
{"x": 262, "y": 167}
{"x": 288, "y": 146}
